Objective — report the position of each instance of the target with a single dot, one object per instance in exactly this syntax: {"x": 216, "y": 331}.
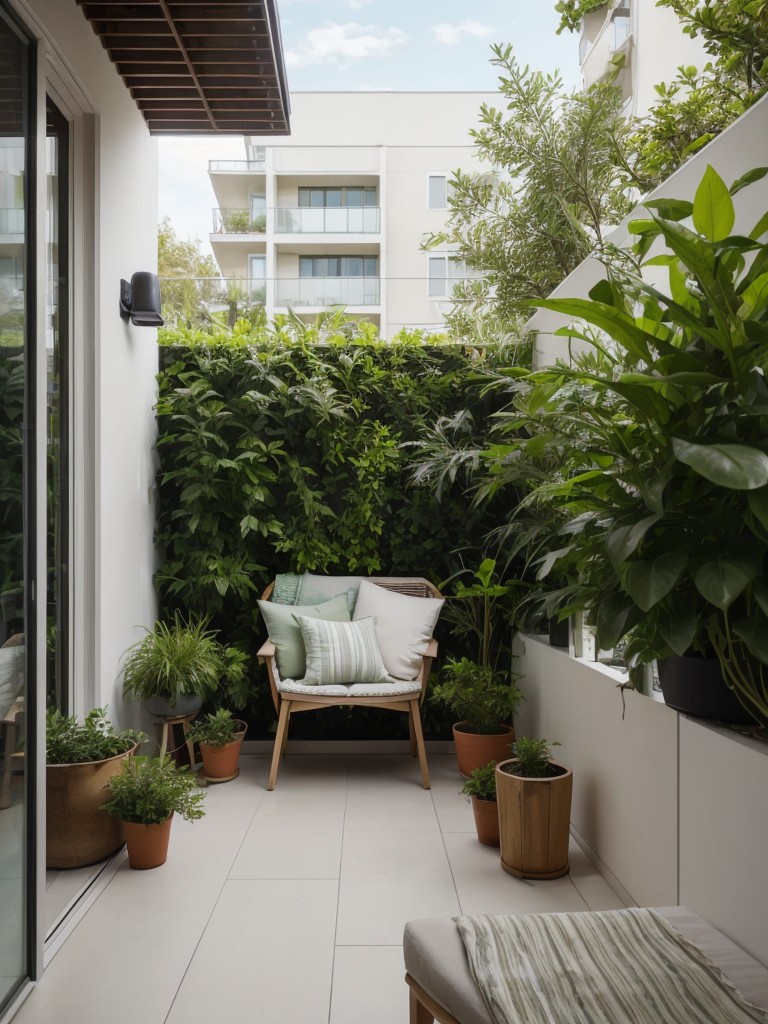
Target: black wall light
{"x": 140, "y": 300}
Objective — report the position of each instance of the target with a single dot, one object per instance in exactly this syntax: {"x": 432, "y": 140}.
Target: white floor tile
{"x": 369, "y": 986}
{"x": 386, "y": 879}
{"x": 593, "y": 888}
{"x": 454, "y": 811}
{"x": 266, "y": 955}
{"x": 485, "y": 888}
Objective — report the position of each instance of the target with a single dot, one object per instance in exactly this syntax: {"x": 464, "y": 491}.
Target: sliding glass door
{"x": 17, "y": 376}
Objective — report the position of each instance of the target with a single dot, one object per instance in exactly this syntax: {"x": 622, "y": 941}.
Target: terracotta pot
{"x": 473, "y": 750}
{"x": 147, "y": 844}
{"x": 77, "y": 831}
{"x": 486, "y": 814}
{"x": 220, "y": 763}
{"x": 695, "y": 686}
{"x": 534, "y": 819}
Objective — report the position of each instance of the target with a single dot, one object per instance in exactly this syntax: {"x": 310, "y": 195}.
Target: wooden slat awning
{"x": 198, "y": 67}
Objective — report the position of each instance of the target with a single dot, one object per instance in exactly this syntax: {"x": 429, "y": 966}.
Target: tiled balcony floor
{"x": 288, "y": 907}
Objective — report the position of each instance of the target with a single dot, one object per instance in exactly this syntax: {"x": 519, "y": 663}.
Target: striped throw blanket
{"x": 602, "y": 967}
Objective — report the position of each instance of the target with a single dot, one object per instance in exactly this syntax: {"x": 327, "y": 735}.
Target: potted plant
{"x": 483, "y": 696}
{"x": 144, "y": 796}
{"x": 220, "y": 736}
{"x": 177, "y": 664}
{"x": 534, "y": 798}
{"x": 81, "y": 757}
{"x": 480, "y": 787}
{"x": 657, "y": 439}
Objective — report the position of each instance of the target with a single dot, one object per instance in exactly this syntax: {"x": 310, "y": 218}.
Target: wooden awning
{"x": 197, "y": 67}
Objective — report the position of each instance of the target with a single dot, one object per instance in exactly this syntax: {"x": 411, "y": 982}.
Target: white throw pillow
{"x": 341, "y": 652}
{"x": 404, "y": 626}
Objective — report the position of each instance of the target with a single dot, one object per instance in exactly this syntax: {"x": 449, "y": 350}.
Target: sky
{"x": 355, "y": 45}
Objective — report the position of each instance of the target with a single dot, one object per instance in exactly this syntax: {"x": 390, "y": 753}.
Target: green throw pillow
{"x": 341, "y": 652}
{"x": 285, "y": 634}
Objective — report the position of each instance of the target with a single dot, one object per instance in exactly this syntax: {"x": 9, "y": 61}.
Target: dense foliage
{"x": 68, "y": 741}
{"x": 554, "y": 189}
{"x": 149, "y": 789}
{"x": 295, "y": 455}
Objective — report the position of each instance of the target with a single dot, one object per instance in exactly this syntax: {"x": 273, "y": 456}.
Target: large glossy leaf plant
{"x": 653, "y": 450}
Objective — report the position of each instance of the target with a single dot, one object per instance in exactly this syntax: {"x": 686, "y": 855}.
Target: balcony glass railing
{"x": 11, "y": 221}
{"x": 621, "y": 26}
{"x": 327, "y": 291}
{"x": 195, "y": 298}
{"x": 258, "y": 166}
{"x": 328, "y": 220}
{"x": 238, "y": 222}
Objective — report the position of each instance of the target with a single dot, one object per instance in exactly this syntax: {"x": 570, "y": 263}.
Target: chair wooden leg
{"x": 280, "y": 735}
{"x": 285, "y": 733}
{"x": 419, "y": 1014}
{"x": 412, "y": 736}
{"x": 415, "y": 717}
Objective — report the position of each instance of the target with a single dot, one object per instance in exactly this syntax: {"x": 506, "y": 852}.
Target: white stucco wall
{"x": 123, "y": 358}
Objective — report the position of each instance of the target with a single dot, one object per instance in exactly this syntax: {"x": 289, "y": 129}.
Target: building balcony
{"x": 229, "y": 221}
{"x": 328, "y": 291}
{"x": 237, "y": 166}
{"x": 327, "y": 220}
{"x": 296, "y": 220}
{"x": 613, "y": 40}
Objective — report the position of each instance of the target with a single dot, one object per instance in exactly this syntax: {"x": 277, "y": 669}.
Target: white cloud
{"x": 357, "y": 5}
{"x": 343, "y": 45}
{"x": 451, "y": 34}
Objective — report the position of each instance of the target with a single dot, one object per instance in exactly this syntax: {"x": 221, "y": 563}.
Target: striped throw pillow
{"x": 341, "y": 652}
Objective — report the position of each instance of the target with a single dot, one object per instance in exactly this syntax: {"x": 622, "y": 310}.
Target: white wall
{"x": 673, "y": 808}
{"x": 121, "y": 359}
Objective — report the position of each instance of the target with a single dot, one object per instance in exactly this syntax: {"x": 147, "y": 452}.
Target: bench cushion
{"x": 395, "y": 688}
{"x": 435, "y": 958}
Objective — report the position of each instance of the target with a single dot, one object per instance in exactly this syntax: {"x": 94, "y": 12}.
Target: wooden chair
{"x": 287, "y": 702}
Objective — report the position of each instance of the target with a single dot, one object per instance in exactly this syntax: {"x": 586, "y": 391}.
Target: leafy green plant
{"x": 481, "y": 782}
{"x": 235, "y": 221}
{"x": 178, "y": 659}
{"x": 482, "y": 610}
{"x": 216, "y": 730}
{"x": 572, "y": 12}
{"x": 533, "y": 758}
{"x": 477, "y": 695}
{"x": 68, "y": 741}
{"x": 149, "y": 789}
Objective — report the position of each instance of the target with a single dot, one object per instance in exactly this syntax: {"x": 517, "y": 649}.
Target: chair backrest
{"x": 415, "y": 586}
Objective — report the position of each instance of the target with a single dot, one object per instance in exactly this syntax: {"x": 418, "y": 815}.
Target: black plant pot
{"x": 696, "y": 687}
{"x": 559, "y": 633}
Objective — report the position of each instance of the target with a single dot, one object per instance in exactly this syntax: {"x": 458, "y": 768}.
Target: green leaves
{"x": 722, "y": 580}
{"x": 713, "y": 210}
{"x": 649, "y": 581}
{"x": 736, "y": 466}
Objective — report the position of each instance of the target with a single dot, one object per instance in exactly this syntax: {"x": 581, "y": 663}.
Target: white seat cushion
{"x": 397, "y": 688}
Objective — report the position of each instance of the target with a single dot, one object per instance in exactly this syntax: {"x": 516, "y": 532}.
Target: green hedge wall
{"x": 297, "y": 456}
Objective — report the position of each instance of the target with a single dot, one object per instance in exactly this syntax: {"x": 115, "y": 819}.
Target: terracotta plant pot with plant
{"x": 145, "y": 796}
{"x": 220, "y": 736}
{"x": 480, "y": 787}
{"x": 81, "y": 759}
{"x": 534, "y": 797}
{"x": 483, "y": 697}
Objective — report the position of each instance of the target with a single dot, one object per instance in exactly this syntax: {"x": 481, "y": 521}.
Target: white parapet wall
{"x": 671, "y": 808}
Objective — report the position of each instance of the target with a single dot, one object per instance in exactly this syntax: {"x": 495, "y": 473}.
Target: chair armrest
{"x": 267, "y": 650}
{"x": 431, "y": 651}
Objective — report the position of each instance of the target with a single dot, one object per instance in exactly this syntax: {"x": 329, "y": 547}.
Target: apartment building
{"x": 335, "y": 215}
{"x": 645, "y": 42}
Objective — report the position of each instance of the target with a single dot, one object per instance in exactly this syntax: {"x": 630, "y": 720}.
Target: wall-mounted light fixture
{"x": 140, "y": 300}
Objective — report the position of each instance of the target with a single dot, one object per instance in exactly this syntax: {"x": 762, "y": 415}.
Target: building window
{"x": 437, "y": 192}
{"x": 443, "y": 273}
{"x": 338, "y": 196}
{"x": 338, "y": 266}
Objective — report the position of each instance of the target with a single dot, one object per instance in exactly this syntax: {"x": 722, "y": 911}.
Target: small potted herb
{"x": 80, "y": 759}
{"x": 220, "y": 736}
{"x": 144, "y": 797}
{"x": 480, "y": 787}
{"x": 177, "y": 664}
{"x": 534, "y": 797}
